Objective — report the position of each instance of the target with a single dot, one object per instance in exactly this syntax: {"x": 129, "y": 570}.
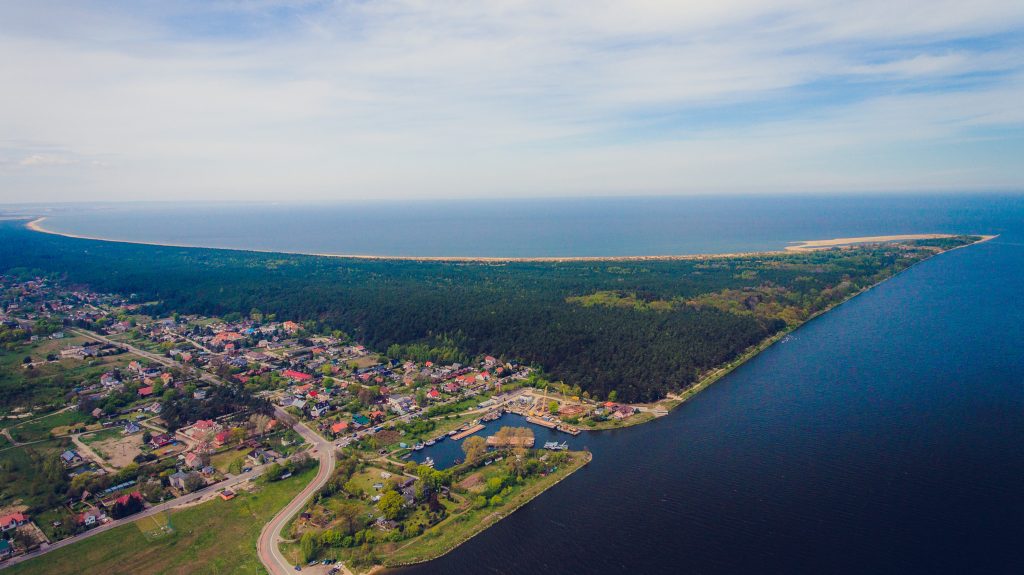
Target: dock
{"x": 541, "y": 422}
{"x": 468, "y": 432}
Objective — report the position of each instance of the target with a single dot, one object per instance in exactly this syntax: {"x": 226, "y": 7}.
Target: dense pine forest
{"x": 641, "y": 328}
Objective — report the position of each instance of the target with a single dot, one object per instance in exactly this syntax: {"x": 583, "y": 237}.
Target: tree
{"x": 390, "y": 504}
{"x": 193, "y": 482}
{"x": 259, "y": 422}
{"x": 496, "y": 501}
{"x": 474, "y": 448}
{"x": 553, "y": 406}
{"x": 146, "y": 436}
{"x": 308, "y": 545}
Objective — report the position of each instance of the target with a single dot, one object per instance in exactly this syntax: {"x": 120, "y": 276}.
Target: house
{"x": 6, "y": 550}
{"x": 130, "y": 428}
{"x": 203, "y": 427}
{"x": 146, "y": 391}
{"x": 221, "y": 438}
{"x": 160, "y": 440}
{"x": 320, "y": 408}
{"x": 227, "y": 495}
{"x": 290, "y": 327}
{"x": 70, "y": 457}
{"x": 434, "y": 394}
{"x": 377, "y": 415}
{"x": 128, "y": 497}
{"x": 623, "y": 411}
{"x": 90, "y": 518}
{"x": 12, "y": 521}
{"x": 400, "y": 404}
{"x": 361, "y": 421}
{"x": 339, "y": 427}
{"x": 193, "y": 460}
{"x": 177, "y": 480}
{"x": 296, "y": 375}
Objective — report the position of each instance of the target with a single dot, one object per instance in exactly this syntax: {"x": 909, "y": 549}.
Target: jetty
{"x": 541, "y": 422}
{"x": 467, "y": 432}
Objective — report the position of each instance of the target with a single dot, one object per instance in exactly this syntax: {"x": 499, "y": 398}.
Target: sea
{"x": 886, "y": 436}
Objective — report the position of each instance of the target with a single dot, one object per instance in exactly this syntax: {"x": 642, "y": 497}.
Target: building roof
{"x": 13, "y": 518}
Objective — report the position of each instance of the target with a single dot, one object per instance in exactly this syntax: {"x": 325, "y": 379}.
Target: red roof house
{"x": 297, "y": 375}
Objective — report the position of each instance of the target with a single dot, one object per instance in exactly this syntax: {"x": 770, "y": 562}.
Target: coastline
{"x": 670, "y": 403}
{"x": 801, "y": 246}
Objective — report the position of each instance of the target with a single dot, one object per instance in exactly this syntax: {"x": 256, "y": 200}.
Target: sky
{"x": 269, "y": 100}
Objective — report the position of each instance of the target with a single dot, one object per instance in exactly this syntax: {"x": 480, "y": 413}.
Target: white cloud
{"x": 395, "y": 99}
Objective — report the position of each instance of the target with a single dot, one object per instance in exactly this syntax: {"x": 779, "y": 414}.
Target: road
{"x": 165, "y": 506}
{"x": 162, "y": 360}
{"x": 268, "y": 545}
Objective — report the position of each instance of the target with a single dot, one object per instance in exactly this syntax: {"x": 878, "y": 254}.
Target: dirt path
{"x": 88, "y": 452}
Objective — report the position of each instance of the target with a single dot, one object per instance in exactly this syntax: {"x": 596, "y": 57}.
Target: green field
{"x": 39, "y": 428}
{"x": 23, "y": 477}
{"x": 46, "y": 383}
{"x": 216, "y": 537}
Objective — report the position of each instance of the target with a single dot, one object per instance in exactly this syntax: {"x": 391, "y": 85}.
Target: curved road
{"x": 165, "y": 506}
{"x": 268, "y": 545}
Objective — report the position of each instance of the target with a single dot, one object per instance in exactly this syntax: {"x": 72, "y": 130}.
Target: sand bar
{"x": 36, "y": 225}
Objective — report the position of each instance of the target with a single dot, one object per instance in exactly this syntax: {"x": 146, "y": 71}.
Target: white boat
{"x": 555, "y": 446}
{"x": 417, "y": 447}
{"x": 430, "y": 442}
{"x": 428, "y": 462}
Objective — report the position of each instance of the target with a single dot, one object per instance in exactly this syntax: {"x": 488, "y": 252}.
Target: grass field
{"x": 21, "y": 473}
{"x": 217, "y": 537}
{"x": 222, "y": 461}
{"x": 47, "y": 382}
{"x": 39, "y": 428}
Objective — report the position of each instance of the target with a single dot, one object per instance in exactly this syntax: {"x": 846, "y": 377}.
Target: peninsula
{"x": 372, "y": 369}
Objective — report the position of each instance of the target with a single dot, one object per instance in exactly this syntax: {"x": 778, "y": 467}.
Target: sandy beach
{"x": 809, "y": 245}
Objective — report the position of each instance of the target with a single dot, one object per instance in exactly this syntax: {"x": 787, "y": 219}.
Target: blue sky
{"x": 323, "y": 100}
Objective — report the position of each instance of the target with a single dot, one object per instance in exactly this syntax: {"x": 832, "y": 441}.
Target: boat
{"x": 452, "y": 432}
{"x": 428, "y": 462}
{"x": 440, "y": 438}
{"x": 430, "y": 442}
{"x": 417, "y": 447}
{"x": 555, "y": 446}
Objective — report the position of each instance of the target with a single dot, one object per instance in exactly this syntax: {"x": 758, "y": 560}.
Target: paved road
{"x": 207, "y": 377}
{"x": 268, "y": 545}
{"x": 165, "y": 506}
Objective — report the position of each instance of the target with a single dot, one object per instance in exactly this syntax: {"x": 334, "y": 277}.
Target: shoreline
{"x": 670, "y": 403}
{"x": 801, "y": 246}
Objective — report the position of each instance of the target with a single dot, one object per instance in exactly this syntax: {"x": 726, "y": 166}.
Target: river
{"x": 883, "y": 437}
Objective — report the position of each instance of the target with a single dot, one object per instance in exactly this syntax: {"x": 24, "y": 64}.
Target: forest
{"x": 639, "y": 327}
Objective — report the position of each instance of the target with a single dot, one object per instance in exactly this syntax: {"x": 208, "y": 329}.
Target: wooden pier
{"x": 468, "y": 432}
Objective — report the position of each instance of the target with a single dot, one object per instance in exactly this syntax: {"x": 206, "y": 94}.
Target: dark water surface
{"x": 885, "y": 437}
{"x": 569, "y": 227}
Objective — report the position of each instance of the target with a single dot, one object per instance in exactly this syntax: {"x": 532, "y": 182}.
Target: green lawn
{"x": 36, "y": 429}
{"x": 103, "y": 435}
{"x": 214, "y": 538}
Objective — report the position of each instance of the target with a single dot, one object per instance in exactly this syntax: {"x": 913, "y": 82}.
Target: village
{"x": 143, "y": 417}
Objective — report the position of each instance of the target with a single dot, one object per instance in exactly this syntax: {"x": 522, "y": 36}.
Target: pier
{"x": 468, "y": 432}
{"x": 541, "y": 422}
